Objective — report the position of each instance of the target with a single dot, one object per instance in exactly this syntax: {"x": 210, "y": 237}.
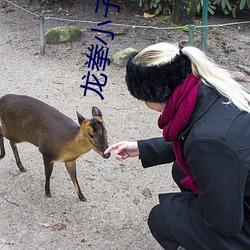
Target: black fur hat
{"x": 156, "y": 83}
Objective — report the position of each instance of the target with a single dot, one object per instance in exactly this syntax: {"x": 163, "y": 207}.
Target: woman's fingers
{"x": 113, "y": 147}
{"x": 124, "y": 149}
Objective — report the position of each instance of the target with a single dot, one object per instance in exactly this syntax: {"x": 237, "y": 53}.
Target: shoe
{"x": 181, "y": 248}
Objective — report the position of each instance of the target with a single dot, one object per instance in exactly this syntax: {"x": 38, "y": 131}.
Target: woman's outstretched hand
{"x": 124, "y": 150}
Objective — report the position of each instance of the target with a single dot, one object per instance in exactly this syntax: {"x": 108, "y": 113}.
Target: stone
{"x": 244, "y": 68}
{"x": 2, "y": 3}
{"x": 63, "y": 34}
{"x": 147, "y": 193}
{"x": 239, "y": 76}
{"x": 121, "y": 58}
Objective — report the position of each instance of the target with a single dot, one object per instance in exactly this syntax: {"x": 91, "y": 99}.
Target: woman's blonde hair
{"x": 202, "y": 67}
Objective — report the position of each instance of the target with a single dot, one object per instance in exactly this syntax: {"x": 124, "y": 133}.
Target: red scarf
{"x": 174, "y": 119}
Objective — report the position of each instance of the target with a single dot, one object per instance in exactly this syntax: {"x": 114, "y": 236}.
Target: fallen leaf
{"x": 148, "y": 15}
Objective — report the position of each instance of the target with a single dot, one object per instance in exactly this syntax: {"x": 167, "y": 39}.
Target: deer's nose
{"x": 106, "y": 156}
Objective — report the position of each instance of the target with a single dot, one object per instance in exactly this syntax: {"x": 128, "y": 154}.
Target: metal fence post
{"x": 42, "y": 31}
{"x": 204, "y": 24}
{"x": 191, "y": 35}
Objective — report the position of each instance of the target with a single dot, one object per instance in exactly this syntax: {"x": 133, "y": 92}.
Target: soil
{"x": 119, "y": 195}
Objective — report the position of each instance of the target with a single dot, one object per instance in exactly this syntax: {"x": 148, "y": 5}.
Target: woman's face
{"x": 156, "y": 106}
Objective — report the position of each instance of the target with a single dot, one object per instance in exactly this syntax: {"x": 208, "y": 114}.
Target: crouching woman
{"x": 205, "y": 120}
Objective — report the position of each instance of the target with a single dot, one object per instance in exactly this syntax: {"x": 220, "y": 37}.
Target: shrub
{"x": 157, "y": 6}
{"x": 165, "y": 6}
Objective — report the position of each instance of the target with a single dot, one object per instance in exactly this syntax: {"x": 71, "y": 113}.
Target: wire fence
{"x": 191, "y": 28}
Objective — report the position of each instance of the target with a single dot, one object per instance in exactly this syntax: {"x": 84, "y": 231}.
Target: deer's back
{"x": 24, "y": 118}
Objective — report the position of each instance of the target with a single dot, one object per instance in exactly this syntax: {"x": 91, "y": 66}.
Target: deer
{"x": 58, "y": 137}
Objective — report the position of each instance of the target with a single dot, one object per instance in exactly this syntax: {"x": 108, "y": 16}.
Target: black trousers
{"x": 156, "y": 222}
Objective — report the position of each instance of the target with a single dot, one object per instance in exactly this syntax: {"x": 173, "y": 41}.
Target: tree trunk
{"x": 183, "y": 11}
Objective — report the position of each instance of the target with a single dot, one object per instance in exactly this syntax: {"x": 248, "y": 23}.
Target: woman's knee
{"x": 159, "y": 229}
{"x": 153, "y": 218}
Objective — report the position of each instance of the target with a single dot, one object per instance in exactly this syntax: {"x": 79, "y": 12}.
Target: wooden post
{"x": 42, "y": 31}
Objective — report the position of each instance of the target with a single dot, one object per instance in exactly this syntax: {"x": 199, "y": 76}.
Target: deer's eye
{"x": 91, "y": 136}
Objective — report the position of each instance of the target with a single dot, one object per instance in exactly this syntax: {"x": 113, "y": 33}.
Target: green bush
{"x": 165, "y": 6}
{"x": 227, "y": 6}
{"x": 211, "y": 7}
{"x": 156, "y": 6}
{"x": 232, "y": 6}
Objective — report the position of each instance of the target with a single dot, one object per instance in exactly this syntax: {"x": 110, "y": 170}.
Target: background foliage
{"x": 227, "y": 6}
{"x": 165, "y": 6}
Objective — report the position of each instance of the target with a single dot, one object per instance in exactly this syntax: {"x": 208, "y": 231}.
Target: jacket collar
{"x": 205, "y": 99}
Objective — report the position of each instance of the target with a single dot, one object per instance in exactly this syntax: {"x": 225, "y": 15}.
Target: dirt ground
{"x": 119, "y": 195}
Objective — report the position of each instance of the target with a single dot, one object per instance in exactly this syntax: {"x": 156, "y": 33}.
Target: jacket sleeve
{"x": 155, "y": 151}
{"x": 220, "y": 173}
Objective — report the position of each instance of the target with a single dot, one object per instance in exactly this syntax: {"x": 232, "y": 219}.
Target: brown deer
{"x": 59, "y": 139}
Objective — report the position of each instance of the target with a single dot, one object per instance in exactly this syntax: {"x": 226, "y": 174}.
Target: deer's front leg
{"x": 71, "y": 168}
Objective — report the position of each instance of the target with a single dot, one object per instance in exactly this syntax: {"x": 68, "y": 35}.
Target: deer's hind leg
{"x": 18, "y": 161}
{"x": 71, "y": 168}
{"x": 48, "y": 164}
{"x": 1, "y": 144}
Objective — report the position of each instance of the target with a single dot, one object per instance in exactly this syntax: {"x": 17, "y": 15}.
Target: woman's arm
{"x": 151, "y": 152}
{"x": 155, "y": 151}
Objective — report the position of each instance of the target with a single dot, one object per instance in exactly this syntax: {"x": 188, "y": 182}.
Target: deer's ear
{"x": 80, "y": 118}
{"x": 96, "y": 112}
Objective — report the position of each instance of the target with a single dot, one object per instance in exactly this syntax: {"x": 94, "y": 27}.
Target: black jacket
{"x": 216, "y": 145}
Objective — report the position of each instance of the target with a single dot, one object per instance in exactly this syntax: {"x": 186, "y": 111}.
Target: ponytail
{"x": 218, "y": 78}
